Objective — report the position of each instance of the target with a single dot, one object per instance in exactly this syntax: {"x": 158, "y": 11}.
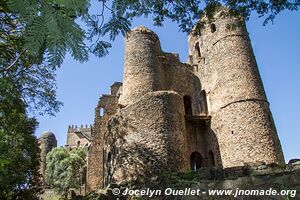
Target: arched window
{"x": 78, "y": 143}
{"x": 197, "y": 49}
{"x": 203, "y": 103}
{"x": 195, "y": 161}
{"x": 187, "y": 105}
{"x": 213, "y": 28}
{"x": 211, "y": 158}
{"x": 101, "y": 112}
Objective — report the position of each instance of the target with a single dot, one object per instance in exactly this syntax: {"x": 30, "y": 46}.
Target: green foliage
{"x": 185, "y": 13}
{"x": 50, "y": 195}
{"x": 49, "y": 29}
{"x": 26, "y": 82}
{"x": 35, "y": 37}
{"x": 30, "y": 76}
{"x": 64, "y": 169}
{"x": 36, "y": 86}
{"x": 19, "y": 158}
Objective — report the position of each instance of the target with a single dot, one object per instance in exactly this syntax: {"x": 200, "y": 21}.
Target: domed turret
{"x": 47, "y": 134}
{"x": 142, "y": 68}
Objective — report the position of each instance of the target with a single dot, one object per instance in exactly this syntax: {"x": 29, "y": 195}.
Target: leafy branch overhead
{"x": 54, "y": 27}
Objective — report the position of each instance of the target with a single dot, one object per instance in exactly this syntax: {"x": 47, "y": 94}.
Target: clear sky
{"x": 276, "y": 47}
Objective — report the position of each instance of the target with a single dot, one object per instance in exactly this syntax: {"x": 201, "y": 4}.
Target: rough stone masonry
{"x": 170, "y": 116}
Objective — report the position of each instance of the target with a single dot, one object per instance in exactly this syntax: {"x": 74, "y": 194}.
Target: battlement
{"x": 79, "y": 135}
{"x": 82, "y": 128}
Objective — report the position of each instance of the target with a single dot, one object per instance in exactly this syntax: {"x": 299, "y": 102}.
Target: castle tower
{"x": 241, "y": 121}
{"x": 142, "y": 67}
{"x": 47, "y": 142}
{"x": 146, "y": 138}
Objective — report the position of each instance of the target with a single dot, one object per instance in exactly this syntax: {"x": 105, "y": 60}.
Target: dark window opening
{"x": 196, "y": 161}
{"x": 109, "y": 157}
{"x": 78, "y": 143}
{"x": 197, "y": 48}
{"x": 213, "y": 28}
{"x": 211, "y": 158}
{"x": 203, "y": 103}
{"x": 187, "y": 105}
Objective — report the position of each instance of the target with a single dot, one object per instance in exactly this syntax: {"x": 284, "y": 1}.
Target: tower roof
{"x": 47, "y": 134}
{"x": 143, "y": 30}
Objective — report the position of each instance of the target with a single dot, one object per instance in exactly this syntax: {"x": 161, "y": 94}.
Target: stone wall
{"x": 180, "y": 78}
{"x": 166, "y": 110}
{"x": 241, "y": 119}
{"x": 95, "y": 164}
{"x": 142, "y": 68}
{"x": 254, "y": 181}
{"x": 256, "y": 177}
{"x": 79, "y": 136}
{"x": 147, "y": 69}
{"x": 146, "y": 138}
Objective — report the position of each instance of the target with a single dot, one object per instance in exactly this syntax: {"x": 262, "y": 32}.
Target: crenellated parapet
{"x": 82, "y": 128}
{"x": 79, "y": 136}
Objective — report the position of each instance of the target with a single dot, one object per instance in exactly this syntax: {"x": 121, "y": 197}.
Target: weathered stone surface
{"x": 107, "y": 107}
{"x": 289, "y": 181}
{"x": 140, "y": 142}
{"x": 237, "y": 101}
{"x": 172, "y": 116}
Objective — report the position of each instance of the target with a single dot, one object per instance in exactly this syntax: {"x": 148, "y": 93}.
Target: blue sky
{"x": 276, "y": 47}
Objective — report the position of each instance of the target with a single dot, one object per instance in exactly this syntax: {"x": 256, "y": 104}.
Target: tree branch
{"x": 14, "y": 62}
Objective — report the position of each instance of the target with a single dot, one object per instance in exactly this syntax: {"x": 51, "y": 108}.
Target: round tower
{"x": 142, "y": 69}
{"x": 47, "y": 142}
{"x": 241, "y": 121}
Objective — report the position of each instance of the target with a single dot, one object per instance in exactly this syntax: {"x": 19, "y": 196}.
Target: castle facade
{"x": 170, "y": 116}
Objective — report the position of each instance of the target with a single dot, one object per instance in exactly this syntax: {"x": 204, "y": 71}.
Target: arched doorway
{"x": 187, "y": 105}
{"x": 195, "y": 161}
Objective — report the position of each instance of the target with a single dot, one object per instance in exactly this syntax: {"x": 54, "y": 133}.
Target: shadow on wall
{"x": 203, "y": 146}
{"x": 128, "y": 161}
{"x": 130, "y": 154}
{"x": 214, "y": 147}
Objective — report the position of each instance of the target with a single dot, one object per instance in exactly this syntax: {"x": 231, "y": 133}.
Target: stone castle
{"x": 170, "y": 116}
